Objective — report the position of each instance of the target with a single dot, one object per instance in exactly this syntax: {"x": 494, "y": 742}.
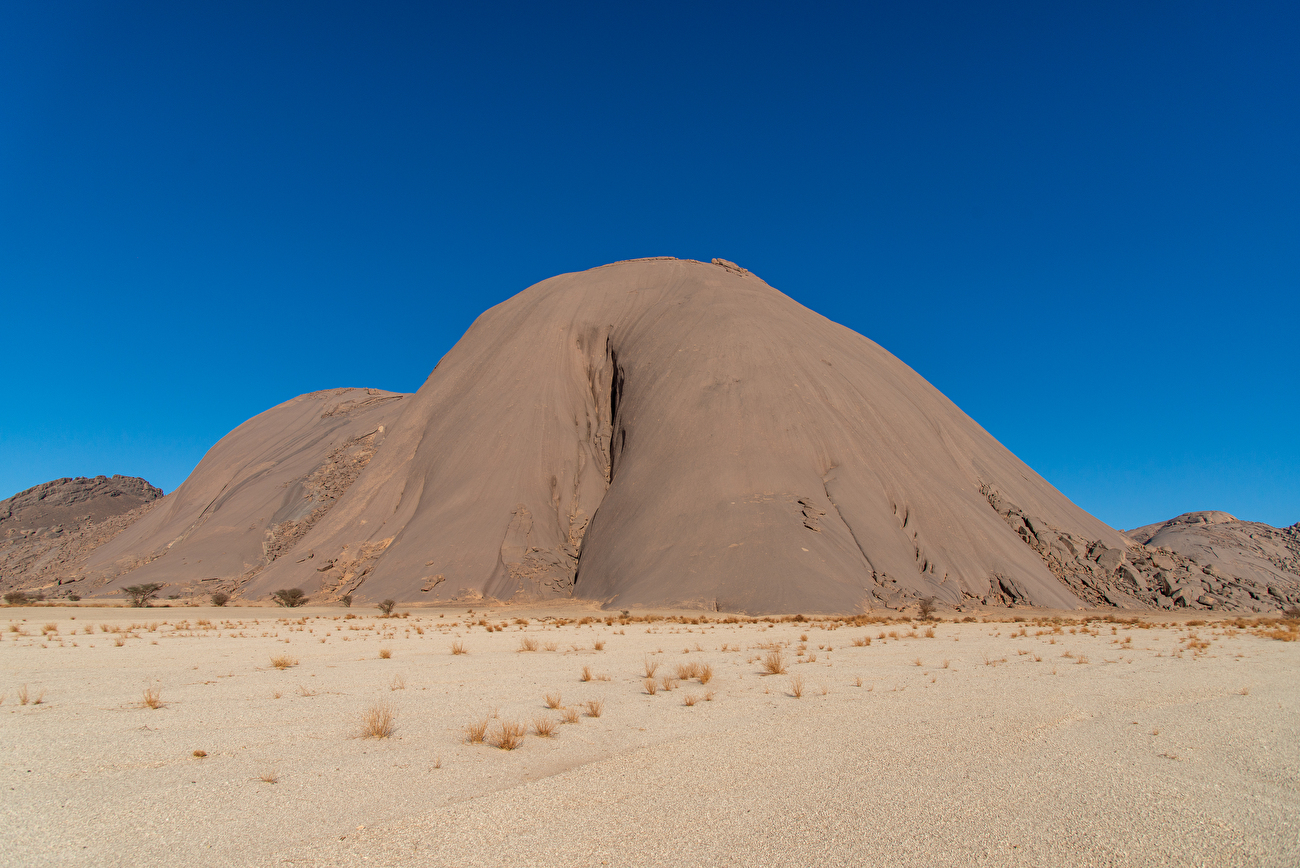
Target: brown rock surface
{"x": 668, "y": 432}
{"x": 47, "y": 531}
{"x": 256, "y": 493}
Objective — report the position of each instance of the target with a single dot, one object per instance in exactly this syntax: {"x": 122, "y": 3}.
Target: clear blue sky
{"x": 1081, "y": 222}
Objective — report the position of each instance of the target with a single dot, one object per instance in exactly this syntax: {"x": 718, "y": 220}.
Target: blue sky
{"x": 1080, "y": 222}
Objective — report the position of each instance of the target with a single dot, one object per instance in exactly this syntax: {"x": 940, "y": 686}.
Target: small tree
{"x": 140, "y": 595}
{"x": 387, "y": 607}
{"x": 220, "y": 598}
{"x": 926, "y": 607}
{"x": 346, "y": 600}
{"x": 15, "y": 598}
{"x": 290, "y": 598}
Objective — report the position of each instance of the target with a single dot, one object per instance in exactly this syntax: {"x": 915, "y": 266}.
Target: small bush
{"x": 152, "y": 698}
{"x": 16, "y": 598}
{"x": 796, "y": 686}
{"x": 220, "y": 598}
{"x": 74, "y": 598}
{"x": 346, "y": 600}
{"x": 651, "y": 686}
{"x": 378, "y": 721}
{"x": 544, "y": 726}
{"x": 594, "y": 707}
{"x": 569, "y": 715}
{"x": 586, "y": 674}
{"x": 200, "y": 753}
{"x": 289, "y": 598}
{"x": 510, "y": 735}
{"x": 458, "y": 647}
{"x": 527, "y": 643}
{"x": 386, "y": 606}
{"x": 553, "y": 700}
{"x": 774, "y": 663}
{"x": 926, "y": 608}
{"x": 650, "y": 668}
{"x": 140, "y": 595}
{"x": 385, "y": 653}
{"x": 475, "y": 732}
{"x": 283, "y": 661}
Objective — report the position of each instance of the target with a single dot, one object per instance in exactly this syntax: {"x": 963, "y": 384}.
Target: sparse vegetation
{"x": 283, "y": 661}
{"x": 386, "y": 607}
{"x": 289, "y": 598}
{"x": 553, "y": 700}
{"x": 152, "y": 698}
{"x": 586, "y": 674}
{"x": 220, "y": 598}
{"x": 594, "y": 707}
{"x": 139, "y": 596}
{"x": 650, "y": 668}
{"x": 269, "y": 777}
{"x": 509, "y": 735}
{"x": 651, "y": 686}
{"x": 458, "y": 647}
{"x": 796, "y": 686}
{"x": 385, "y": 653}
{"x": 926, "y": 608}
{"x": 16, "y": 598}
{"x": 527, "y": 643}
{"x": 544, "y": 726}
{"x": 569, "y": 715}
{"x": 200, "y": 753}
{"x": 378, "y": 721}
{"x": 346, "y": 600}
{"x": 774, "y": 663}
{"x": 476, "y": 731}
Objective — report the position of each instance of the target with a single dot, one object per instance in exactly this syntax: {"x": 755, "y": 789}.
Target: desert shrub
{"x": 378, "y": 721}
{"x": 346, "y": 600}
{"x": 289, "y": 598}
{"x": 16, "y": 598}
{"x": 386, "y": 606}
{"x": 220, "y": 598}
{"x": 74, "y": 598}
{"x": 926, "y": 608}
{"x": 140, "y": 595}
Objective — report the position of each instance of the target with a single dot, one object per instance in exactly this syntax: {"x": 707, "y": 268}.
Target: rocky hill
{"x": 47, "y": 532}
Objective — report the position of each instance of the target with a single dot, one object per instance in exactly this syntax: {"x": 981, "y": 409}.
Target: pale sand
{"x": 1137, "y": 757}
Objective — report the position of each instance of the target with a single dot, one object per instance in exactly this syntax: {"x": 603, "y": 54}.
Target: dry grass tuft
{"x": 385, "y": 653}
{"x": 553, "y": 700}
{"x": 152, "y": 698}
{"x": 283, "y": 661}
{"x": 667, "y": 682}
{"x": 774, "y": 663}
{"x": 475, "y": 732}
{"x": 651, "y": 668}
{"x": 598, "y": 645}
{"x": 1245, "y": 691}
{"x": 704, "y": 673}
{"x": 378, "y": 721}
{"x": 200, "y": 753}
{"x": 398, "y": 683}
{"x": 796, "y": 686}
{"x": 527, "y": 643}
{"x": 544, "y": 726}
{"x": 857, "y": 682}
{"x": 458, "y": 647}
{"x": 690, "y": 699}
{"x": 509, "y": 735}
{"x": 569, "y": 715}
{"x": 862, "y": 642}
{"x": 916, "y": 662}
{"x": 586, "y": 674}
{"x": 929, "y": 632}
{"x": 594, "y": 707}
{"x": 651, "y": 686}
{"x": 269, "y": 777}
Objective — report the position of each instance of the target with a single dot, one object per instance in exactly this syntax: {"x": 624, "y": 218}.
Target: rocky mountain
{"x": 664, "y": 432}
{"x": 48, "y": 531}
{"x": 252, "y": 499}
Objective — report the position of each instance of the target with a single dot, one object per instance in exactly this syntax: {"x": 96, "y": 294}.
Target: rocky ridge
{"x": 48, "y": 531}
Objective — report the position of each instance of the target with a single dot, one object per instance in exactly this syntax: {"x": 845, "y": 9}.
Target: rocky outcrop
{"x": 47, "y": 532}
{"x": 253, "y": 498}
{"x": 1178, "y": 564}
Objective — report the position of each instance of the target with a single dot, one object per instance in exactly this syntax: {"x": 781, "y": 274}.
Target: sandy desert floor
{"x": 1044, "y": 742}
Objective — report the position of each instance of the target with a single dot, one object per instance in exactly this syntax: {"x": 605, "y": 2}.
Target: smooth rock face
{"x": 664, "y": 433}
{"x": 253, "y": 496}
{"x": 667, "y": 432}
